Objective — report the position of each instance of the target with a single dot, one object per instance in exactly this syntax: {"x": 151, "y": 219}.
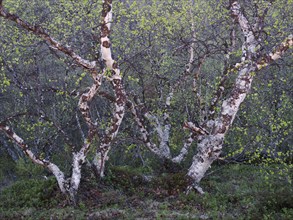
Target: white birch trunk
{"x": 77, "y": 161}
{"x": 210, "y": 146}
{"x": 67, "y": 186}
{"x": 208, "y": 150}
{"x": 70, "y": 185}
{"x": 49, "y": 165}
{"x": 41, "y": 32}
{"x": 120, "y": 96}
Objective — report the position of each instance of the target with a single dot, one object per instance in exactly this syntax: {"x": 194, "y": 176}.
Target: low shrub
{"x": 29, "y": 193}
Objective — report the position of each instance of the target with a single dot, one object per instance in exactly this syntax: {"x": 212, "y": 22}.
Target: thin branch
{"x": 276, "y": 53}
{"x": 43, "y": 162}
{"x": 42, "y": 33}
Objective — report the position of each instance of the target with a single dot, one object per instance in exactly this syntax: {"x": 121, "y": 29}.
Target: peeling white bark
{"x": 195, "y": 129}
{"x": 249, "y": 47}
{"x": 64, "y": 185}
{"x": 163, "y": 129}
{"x": 49, "y": 165}
{"x": 59, "y": 175}
{"x": 163, "y": 150}
{"x": 210, "y": 146}
{"x": 163, "y": 135}
{"x": 100, "y": 160}
{"x": 85, "y": 100}
{"x": 78, "y": 160}
{"x": 67, "y": 186}
{"x": 208, "y": 150}
{"x": 120, "y": 96}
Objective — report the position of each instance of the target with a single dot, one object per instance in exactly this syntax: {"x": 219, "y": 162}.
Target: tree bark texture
{"x": 210, "y": 146}
{"x": 112, "y": 72}
{"x": 45, "y": 163}
{"x": 70, "y": 185}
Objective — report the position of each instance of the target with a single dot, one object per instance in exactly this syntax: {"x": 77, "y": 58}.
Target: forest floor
{"x": 232, "y": 192}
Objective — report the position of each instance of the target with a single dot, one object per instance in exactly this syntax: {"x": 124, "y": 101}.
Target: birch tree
{"x": 111, "y": 73}
{"x": 67, "y": 185}
{"x": 210, "y": 145}
{"x": 167, "y": 51}
{"x": 211, "y": 129}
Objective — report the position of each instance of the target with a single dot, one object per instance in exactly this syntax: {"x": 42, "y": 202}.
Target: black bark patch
{"x": 84, "y": 98}
{"x": 106, "y": 9}
{"x": 267, "y": 59}
{"x": 106, "y": 44}
{"x": 10, "y": 132}
{"x": 115, "y": 120}
{"x": 115, "y": 65}
{"x": 222, "y": 130}
{"x": 107, "y": 140}
{"x": 188, "y": 141}
{"x": 217, "y": 151}
{"x": 115, "y": 127}
{"x": 104, "y": 31}
{"x": 116, "y": 81}
{"x": 227, "y": 119}
{"x": 200, "y": 159}
{"x": 120, "y": 112}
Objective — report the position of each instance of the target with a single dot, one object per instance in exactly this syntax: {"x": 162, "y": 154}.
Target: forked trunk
{"x": 69, "y": 186}
{"x": 210, "y": 146}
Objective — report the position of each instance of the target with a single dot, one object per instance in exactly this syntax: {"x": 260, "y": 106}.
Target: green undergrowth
{"x": 33, "y": 193}
{"x": 232, "y": 192}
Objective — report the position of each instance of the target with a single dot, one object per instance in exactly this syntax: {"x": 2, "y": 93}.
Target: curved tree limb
{"x": 45, "y": 163}
{"x": 42, "y": 33}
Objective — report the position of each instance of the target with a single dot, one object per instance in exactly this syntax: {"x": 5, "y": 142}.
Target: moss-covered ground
{"x": 232, "y": 192}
